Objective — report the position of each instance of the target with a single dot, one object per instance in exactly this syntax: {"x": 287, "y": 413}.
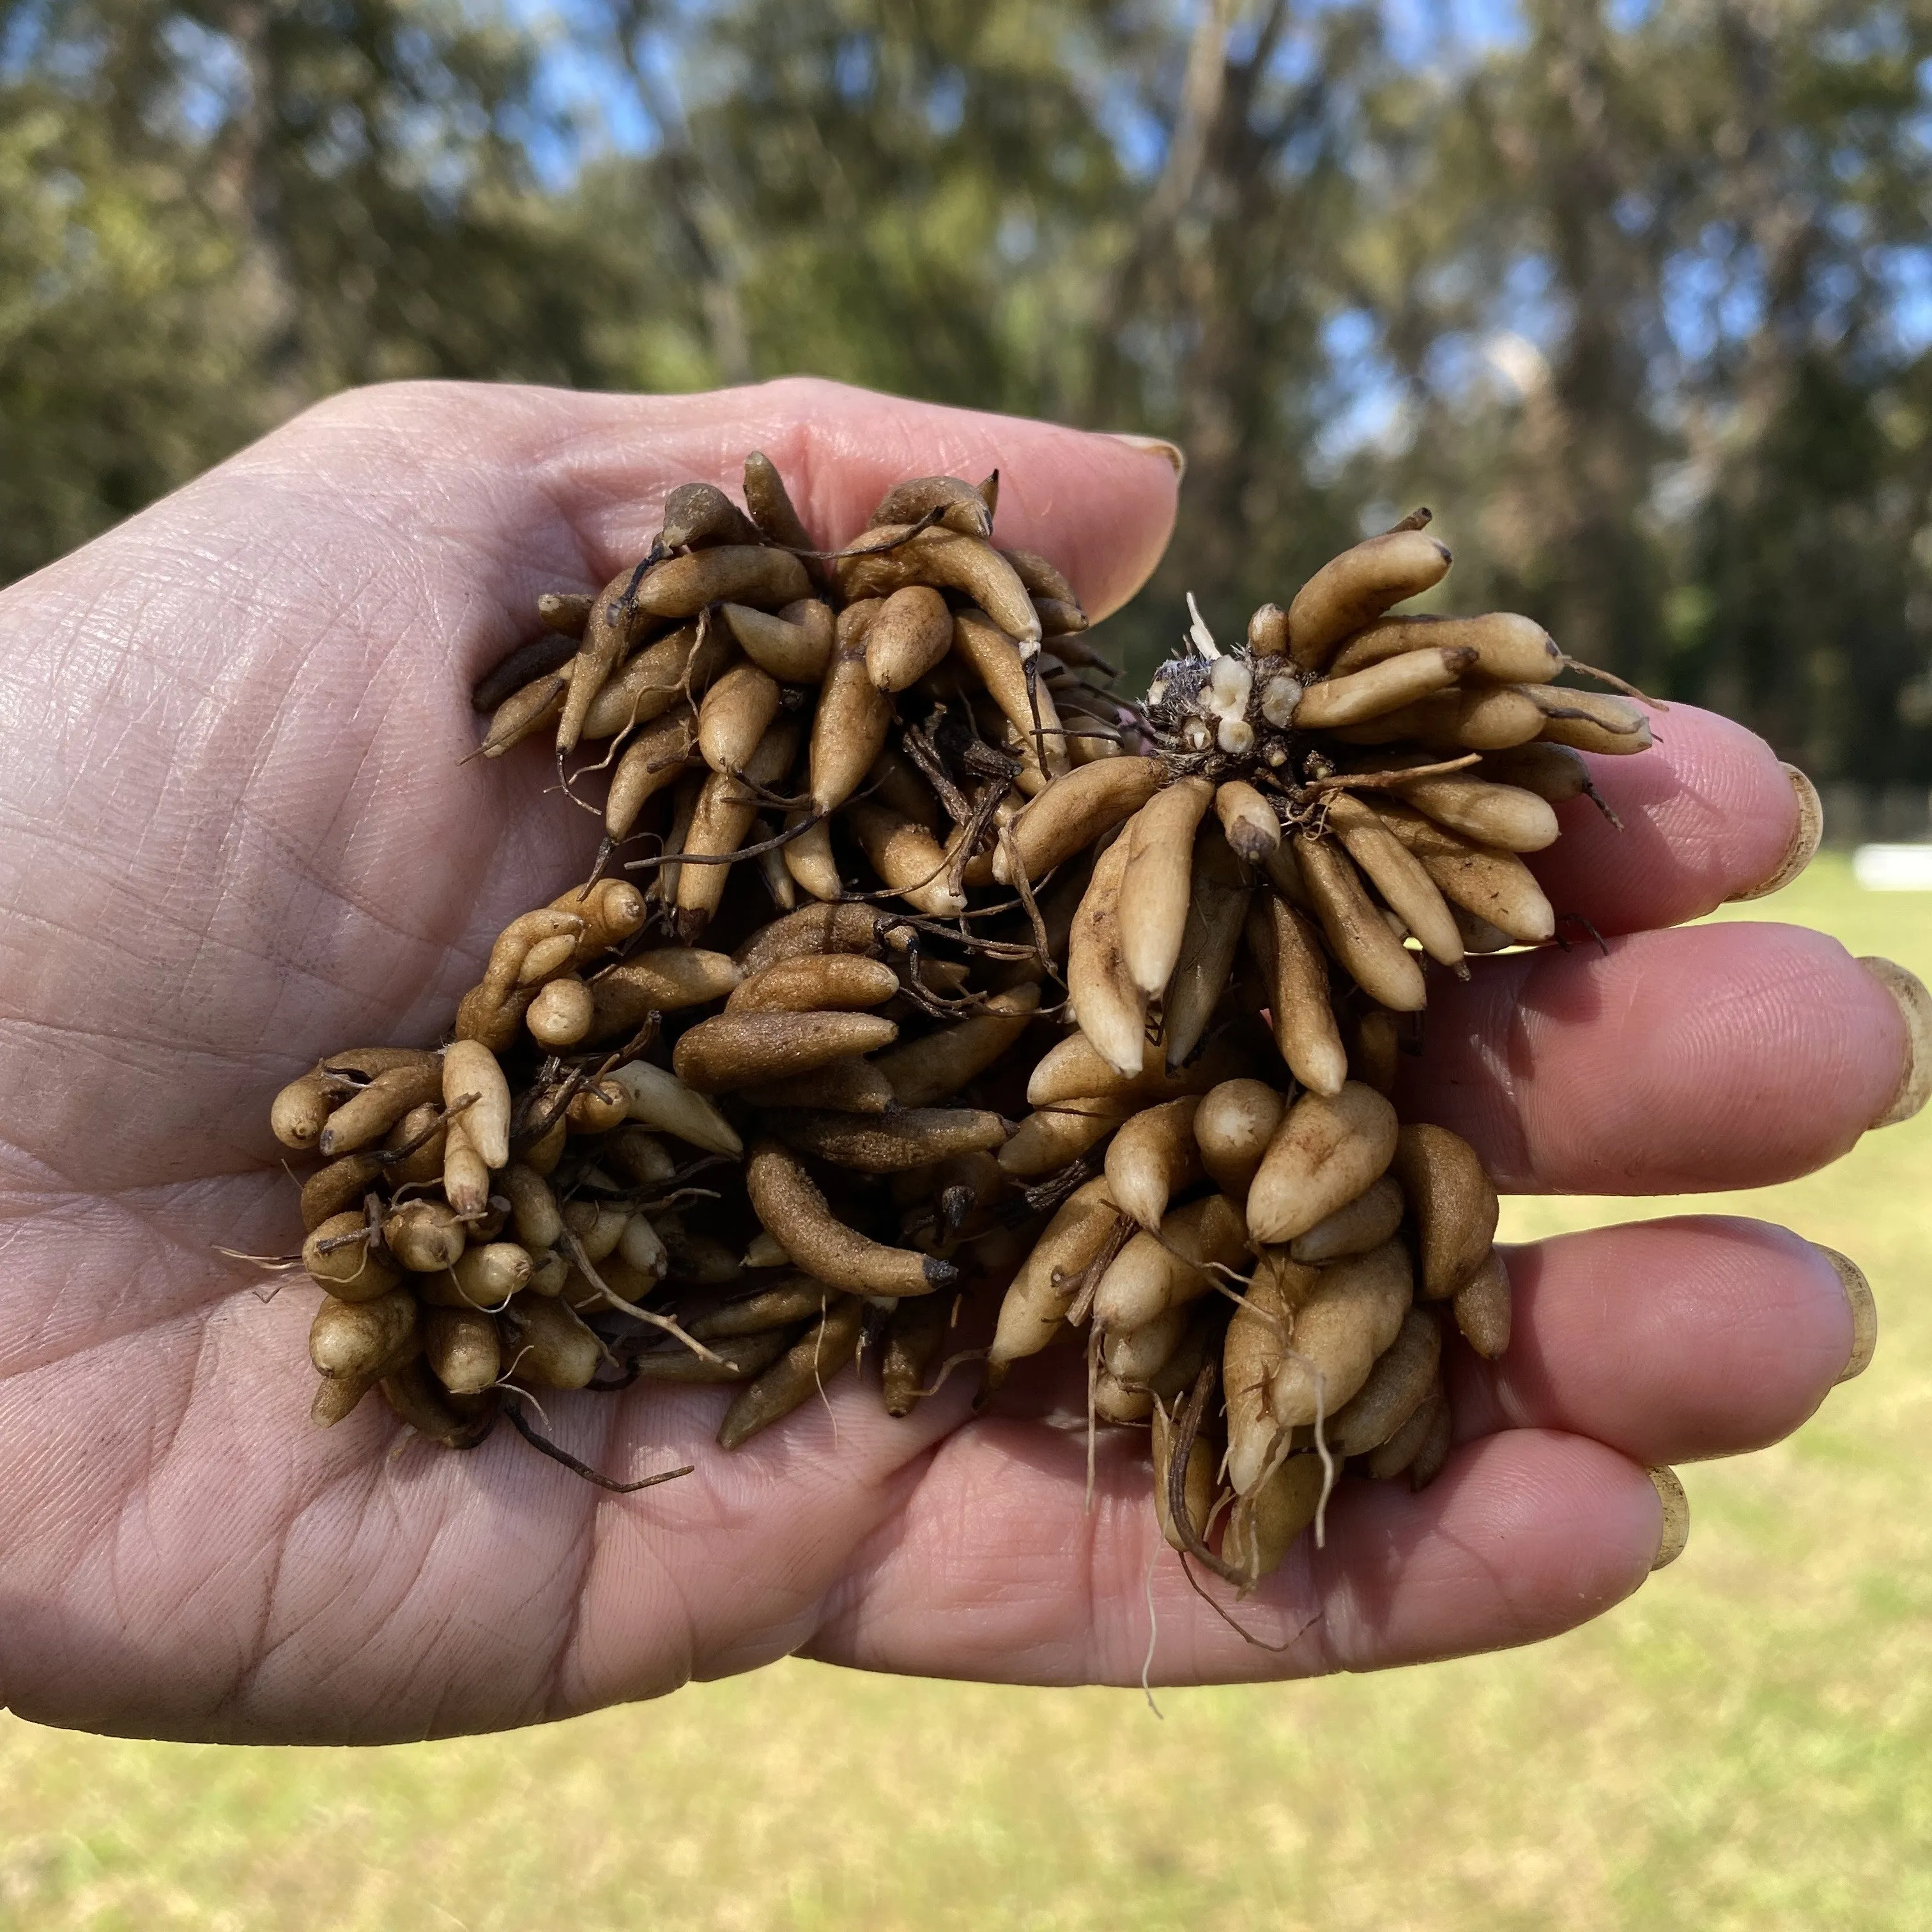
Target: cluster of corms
{"x": 977, "y": 929}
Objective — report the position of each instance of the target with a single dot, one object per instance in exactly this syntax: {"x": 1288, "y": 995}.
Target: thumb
{"x": 1100, "y": 507}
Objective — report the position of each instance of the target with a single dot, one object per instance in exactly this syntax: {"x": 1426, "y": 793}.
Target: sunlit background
{"x": 1638, "y": 297}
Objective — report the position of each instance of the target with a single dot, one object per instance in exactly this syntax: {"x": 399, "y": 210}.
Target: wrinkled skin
{"x": 236, "y": 834}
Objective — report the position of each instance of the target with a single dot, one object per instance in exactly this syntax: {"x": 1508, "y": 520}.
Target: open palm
{"x": 234, "y": 833}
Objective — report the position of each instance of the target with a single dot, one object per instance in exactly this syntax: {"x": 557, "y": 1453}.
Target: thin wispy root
{"x": 545, "y": 1446}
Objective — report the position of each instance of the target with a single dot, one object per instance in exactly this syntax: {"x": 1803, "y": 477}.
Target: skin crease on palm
{"x": 234, "y": 833}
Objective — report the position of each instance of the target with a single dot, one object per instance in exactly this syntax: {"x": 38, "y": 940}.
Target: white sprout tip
{"x": 1232, "y": 683}
{"x": 1199, "y": 635}
{"x": 1280, "y": 696}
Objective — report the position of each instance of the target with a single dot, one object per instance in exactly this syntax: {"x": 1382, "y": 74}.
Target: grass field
{"x": 1746, "y": 1744}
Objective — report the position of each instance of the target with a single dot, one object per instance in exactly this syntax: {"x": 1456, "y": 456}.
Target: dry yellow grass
{"x": 1747, "y": 1744}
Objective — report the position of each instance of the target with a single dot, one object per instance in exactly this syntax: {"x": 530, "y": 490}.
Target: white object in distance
{"x": 1893, "y": 868}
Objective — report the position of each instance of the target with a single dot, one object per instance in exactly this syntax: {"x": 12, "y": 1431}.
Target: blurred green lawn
{"x": 1747, "y": 1743}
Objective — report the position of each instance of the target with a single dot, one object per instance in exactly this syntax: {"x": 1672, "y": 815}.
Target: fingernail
{"x": 1865, "y": 1310}
{"x": 1805, "y": 842}
{"x": 1915, "y": 1007}
{"x": 1155, "y": 445}
{"x": 1676, "y": 1516}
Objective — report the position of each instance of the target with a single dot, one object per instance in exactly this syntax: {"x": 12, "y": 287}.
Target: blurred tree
{"x": 211, "y": 213}
{"x": 1217, "y": 322}
{"x": 1660, "y": 339}
{"x": 1088, "y": 211}
{"x": 121, "y": 370}
{"x": 1639, "y": 295}
{"x": 921, "y": 198}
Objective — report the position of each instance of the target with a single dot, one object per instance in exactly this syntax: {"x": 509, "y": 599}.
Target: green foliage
{"x": 210, "y": 215}
{"x": 1637, "y": 297}
{"x": 1707, "y": 470}
{"x": 120, "y": 368}
{"x": 918, "y": 198}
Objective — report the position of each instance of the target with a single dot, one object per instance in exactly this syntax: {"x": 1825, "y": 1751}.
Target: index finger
{"x": 1708, "y": 814}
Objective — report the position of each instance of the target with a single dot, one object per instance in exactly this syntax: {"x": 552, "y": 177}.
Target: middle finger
{"x": 1705, "y": 1335}
{"x": 1668, "y": 1062}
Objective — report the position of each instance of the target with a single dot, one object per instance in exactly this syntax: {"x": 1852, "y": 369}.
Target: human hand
{"x": 238, "y": 834}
